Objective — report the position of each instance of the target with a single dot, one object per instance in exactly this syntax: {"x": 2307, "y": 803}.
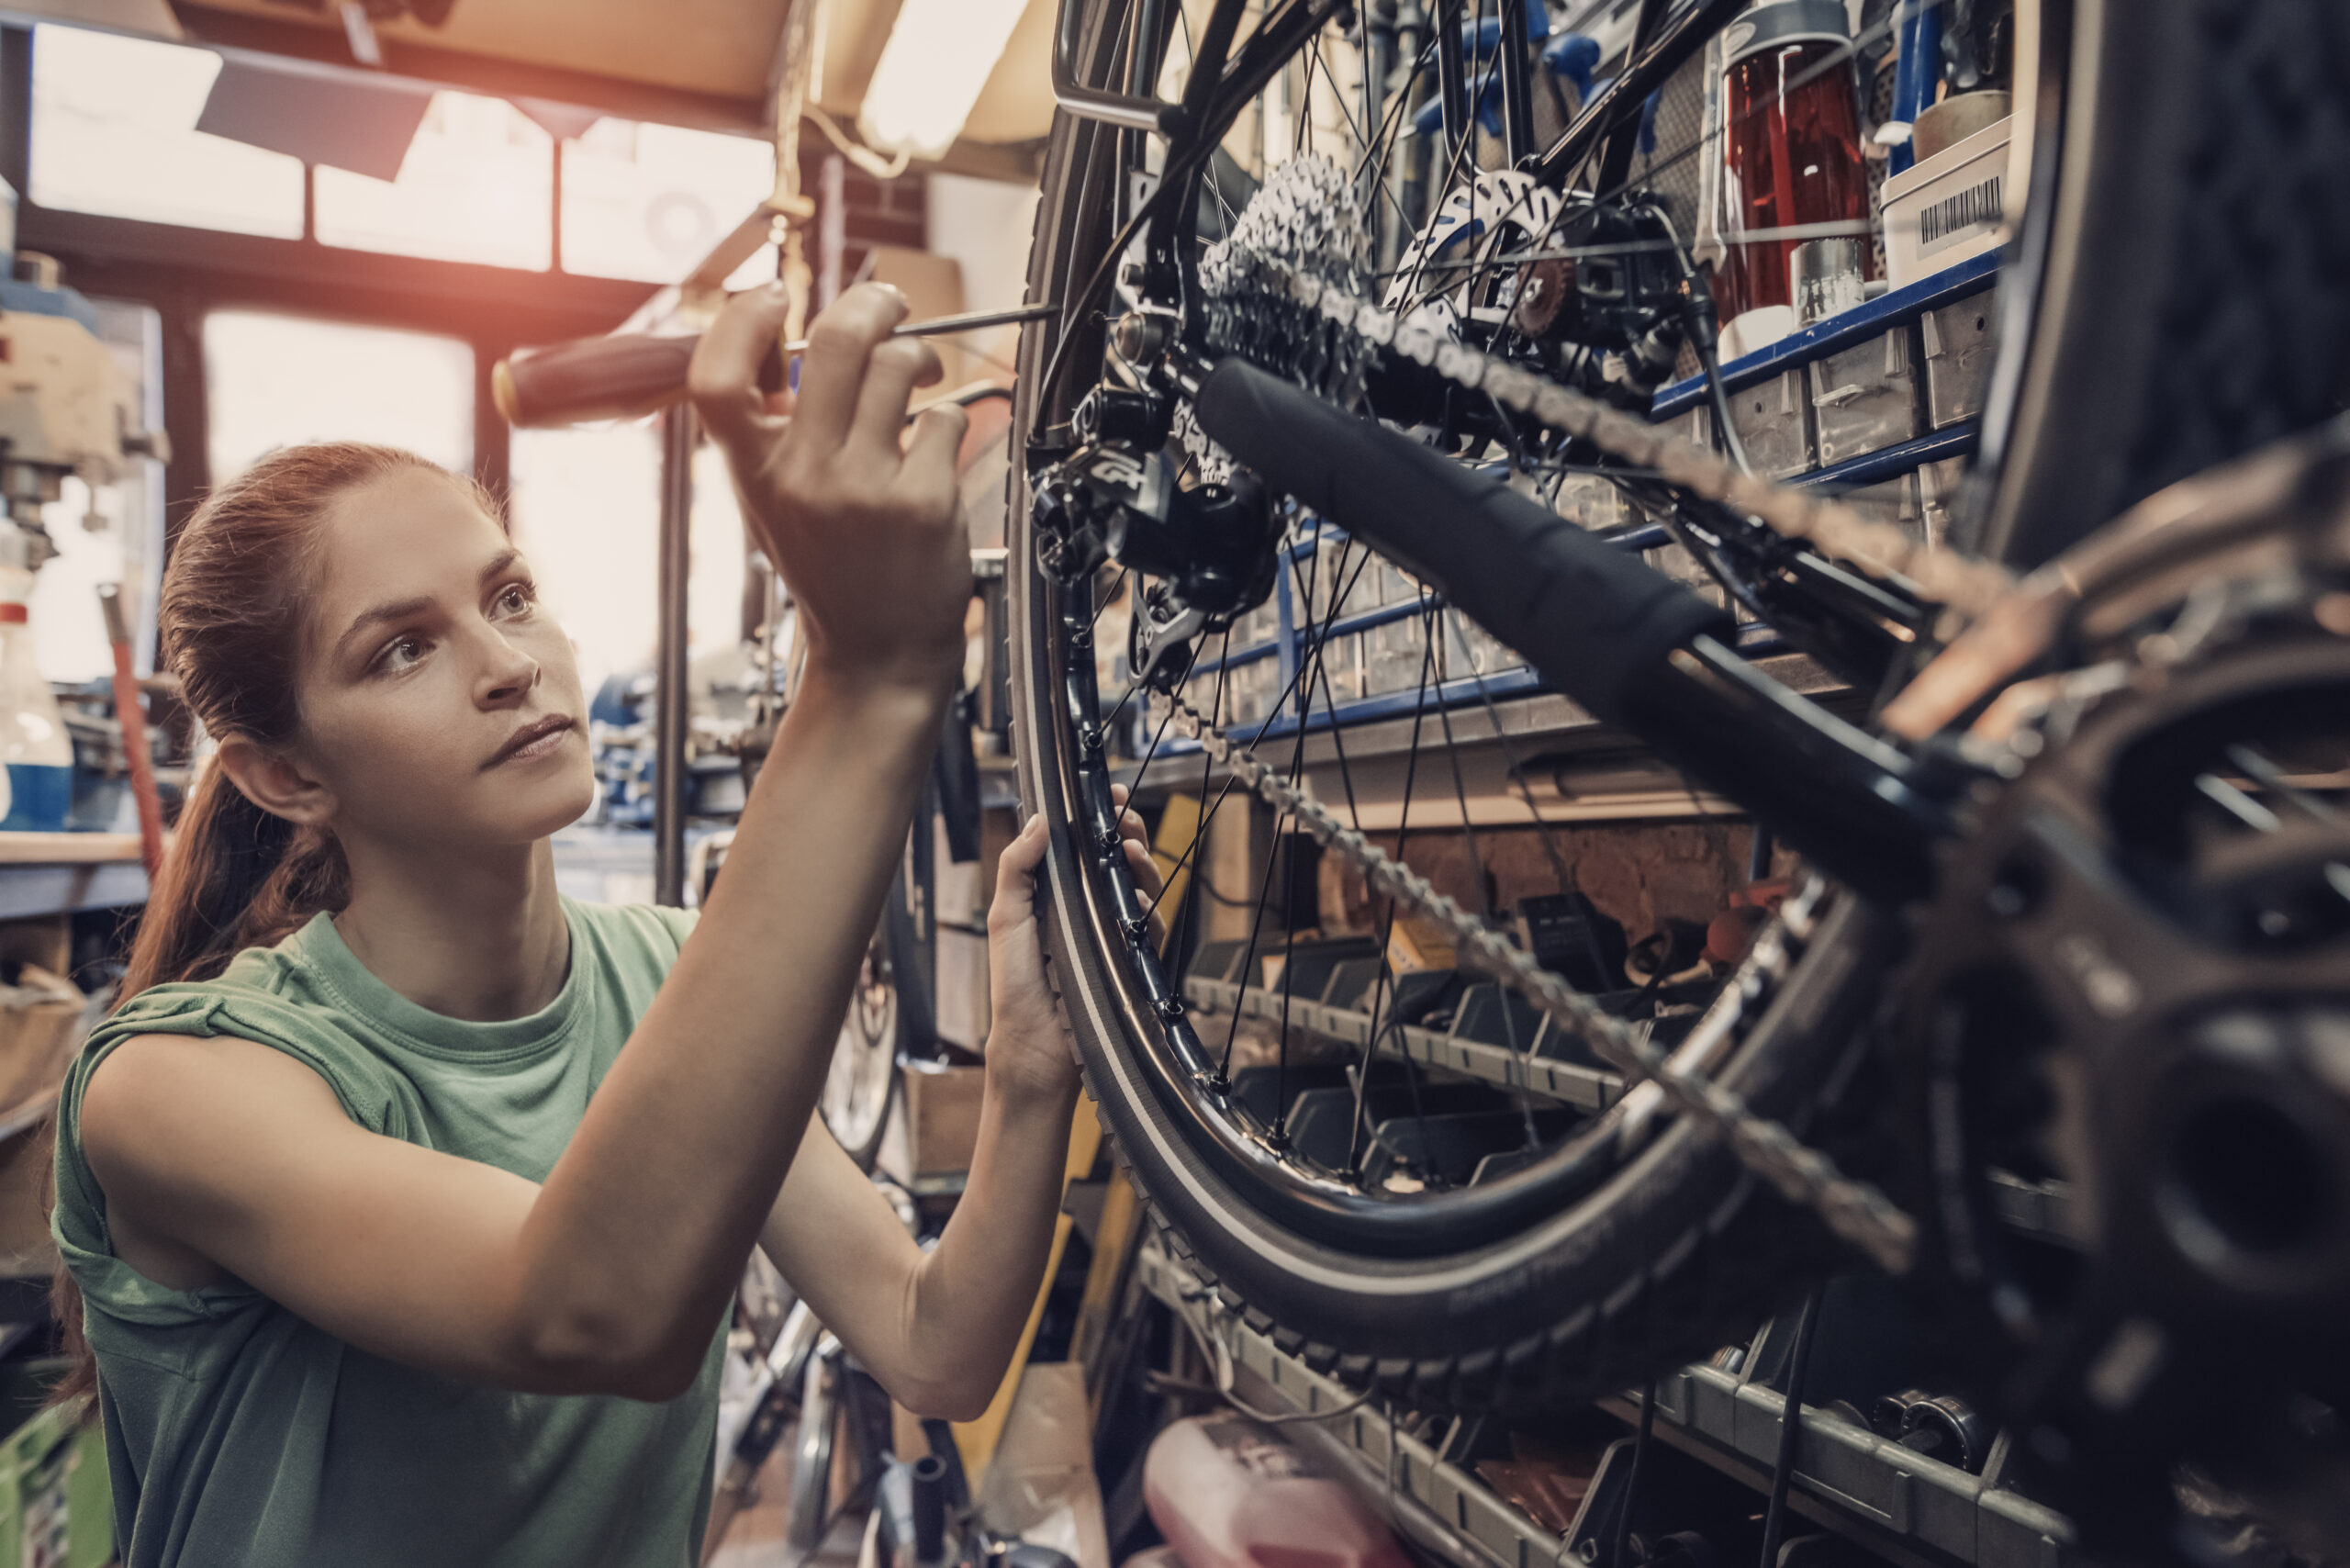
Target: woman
{"x": 408, "y": 1197}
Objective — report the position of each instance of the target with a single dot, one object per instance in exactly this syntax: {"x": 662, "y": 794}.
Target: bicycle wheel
{"x": 1609, "y": 1244}
{"x": 862, "y": 1082}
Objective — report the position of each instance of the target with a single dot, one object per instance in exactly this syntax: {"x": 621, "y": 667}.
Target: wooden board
{"x": 66, "y": 848}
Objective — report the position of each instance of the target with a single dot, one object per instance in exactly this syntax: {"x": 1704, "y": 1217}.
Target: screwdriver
{"x": 625, "y": 375}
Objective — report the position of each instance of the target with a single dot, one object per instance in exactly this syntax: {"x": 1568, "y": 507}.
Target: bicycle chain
{"x": 1854, "y": 1210}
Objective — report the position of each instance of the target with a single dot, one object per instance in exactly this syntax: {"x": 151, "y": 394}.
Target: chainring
{"x": 2136, "y": 982}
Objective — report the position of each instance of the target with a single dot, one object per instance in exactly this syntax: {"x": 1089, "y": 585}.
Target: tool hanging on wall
{"x": 133, "y": 718}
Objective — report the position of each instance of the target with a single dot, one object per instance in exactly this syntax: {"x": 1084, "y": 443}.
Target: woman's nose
{"x": 508, "y": 672}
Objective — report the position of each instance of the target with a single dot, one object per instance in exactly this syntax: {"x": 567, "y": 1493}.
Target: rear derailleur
{"x": 1200, "y": 554}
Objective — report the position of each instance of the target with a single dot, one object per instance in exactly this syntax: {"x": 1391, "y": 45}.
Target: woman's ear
{"x": 271, "y": 780}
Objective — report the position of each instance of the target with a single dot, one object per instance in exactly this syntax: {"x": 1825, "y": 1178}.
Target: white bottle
{"x": 33, "y": 738}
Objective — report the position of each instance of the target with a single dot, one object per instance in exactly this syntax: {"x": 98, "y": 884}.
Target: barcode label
{"x": 1956, "y": 216}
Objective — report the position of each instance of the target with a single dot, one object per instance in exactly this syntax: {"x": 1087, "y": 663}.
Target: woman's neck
{"x": 473, "y": 935}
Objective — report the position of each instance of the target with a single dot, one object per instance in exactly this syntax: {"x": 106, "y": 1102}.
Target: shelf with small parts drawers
{"x": 1903, "y": 1504}
{"x": 1879, "y": 403}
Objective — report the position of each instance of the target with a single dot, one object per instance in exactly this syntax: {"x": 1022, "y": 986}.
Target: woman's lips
{"x": 532, "y": 741}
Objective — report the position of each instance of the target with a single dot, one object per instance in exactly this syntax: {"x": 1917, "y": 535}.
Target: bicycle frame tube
{"x": 1129, "y": 111}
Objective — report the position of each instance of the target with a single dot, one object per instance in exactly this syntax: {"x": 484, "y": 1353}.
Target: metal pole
{"x": 678, "y": 436}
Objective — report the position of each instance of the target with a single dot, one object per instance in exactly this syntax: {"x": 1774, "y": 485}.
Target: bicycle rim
{"x": 1591, "y": 1262}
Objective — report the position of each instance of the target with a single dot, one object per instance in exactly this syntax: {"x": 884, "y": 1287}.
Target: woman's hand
{"x": 859, "y": 515}
{"x": 1029, "y": 1046}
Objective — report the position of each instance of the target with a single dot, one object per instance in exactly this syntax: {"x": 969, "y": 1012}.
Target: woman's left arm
{"x": 938, "y": 1328}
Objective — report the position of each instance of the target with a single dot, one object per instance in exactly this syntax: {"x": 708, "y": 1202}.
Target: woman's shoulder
{"x": 647, "y": 931}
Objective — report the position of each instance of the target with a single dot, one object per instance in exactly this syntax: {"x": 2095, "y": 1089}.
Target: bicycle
{"x": 2102, "y": 792}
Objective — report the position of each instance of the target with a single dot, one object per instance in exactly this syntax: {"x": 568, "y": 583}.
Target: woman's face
{"x": 440, "y": 701}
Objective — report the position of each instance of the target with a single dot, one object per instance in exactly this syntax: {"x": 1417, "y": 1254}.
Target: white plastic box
{"x": 1949, "y": 207}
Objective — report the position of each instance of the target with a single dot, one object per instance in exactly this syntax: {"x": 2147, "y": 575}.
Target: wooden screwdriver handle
{"x": 600, "y": 378}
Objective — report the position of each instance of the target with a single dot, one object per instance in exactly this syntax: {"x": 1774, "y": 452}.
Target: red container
{"x": 1793, "y": 156}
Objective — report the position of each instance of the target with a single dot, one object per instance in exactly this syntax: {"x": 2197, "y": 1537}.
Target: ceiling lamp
{"x": 939, "y": 55}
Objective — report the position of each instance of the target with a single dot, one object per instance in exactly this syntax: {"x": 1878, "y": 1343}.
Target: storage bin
{"x": 1341, "y": 677}
{"x": 1959, "y": 340}
{"x": 1394, "y": 656}
{"x": 1336, "y": 564}
{"x": 1258, "y": 626}
{"x": 1774, "y": 421}
{"x": 1249, "y": 690}
{"x": 1387, "y": 583}
{"x": 1937, "y": 488}
{"x": 1895, "y": 502}
{"x": 1469, "y": 650}
{"x": 1693, "y": 424}
{"x": 1864, "y": 399}
{"x": 1948, "y": 207}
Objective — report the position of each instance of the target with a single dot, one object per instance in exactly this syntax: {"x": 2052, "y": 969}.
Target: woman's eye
{"x": 401, "y": 654}
{"x": 516, "y": 598}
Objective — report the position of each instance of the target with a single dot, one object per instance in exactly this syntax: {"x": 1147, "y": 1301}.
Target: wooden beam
{"x": 127, "y": 257}
{"x": 489, "y": 74}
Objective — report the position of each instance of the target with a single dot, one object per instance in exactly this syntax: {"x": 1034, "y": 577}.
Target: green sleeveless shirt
{"x": 238, "y": 1434}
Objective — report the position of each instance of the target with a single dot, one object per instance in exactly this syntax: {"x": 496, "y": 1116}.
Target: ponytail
{"x": 230, "y": 622}
{"x": 236, "y": 878}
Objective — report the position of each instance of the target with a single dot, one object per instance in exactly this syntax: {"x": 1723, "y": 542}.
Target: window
{"x": 272, "y": 381}
{"x": 114, "y": 132}
{"x": 477, "y": 186}
{"x": 646, "y": 202}
{"x": 586, "y": 510}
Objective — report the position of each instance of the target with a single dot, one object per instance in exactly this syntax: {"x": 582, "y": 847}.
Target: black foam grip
{"x": 1592, "y": 619}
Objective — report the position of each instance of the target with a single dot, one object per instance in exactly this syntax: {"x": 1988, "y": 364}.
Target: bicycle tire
{"x": 1682, "y": 1250}
{"x": 855, "y": 1110}
{"x": 809, "y": 1511}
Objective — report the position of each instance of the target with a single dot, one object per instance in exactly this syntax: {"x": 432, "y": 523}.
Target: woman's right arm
{"x": 612, "y": 1275}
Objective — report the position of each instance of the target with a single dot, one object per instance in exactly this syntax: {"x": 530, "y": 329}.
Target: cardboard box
{"x": 935, "y": 1126}
{"x": 963, "y": 1000}
{"x": 39, "y": 1019}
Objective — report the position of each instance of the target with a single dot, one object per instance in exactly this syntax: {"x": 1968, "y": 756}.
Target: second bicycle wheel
{"x": 1611, "y": 1243}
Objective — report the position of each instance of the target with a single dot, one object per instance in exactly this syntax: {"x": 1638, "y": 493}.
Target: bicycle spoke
{"x": 1387, "y": 927}
{"x": 1198, "y": 884}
